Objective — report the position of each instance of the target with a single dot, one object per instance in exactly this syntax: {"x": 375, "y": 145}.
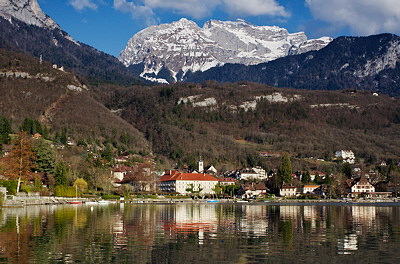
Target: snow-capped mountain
{"x": 27, "y": 11}
{"x": 360, "y": 63}
{"x": 183, "y": 46}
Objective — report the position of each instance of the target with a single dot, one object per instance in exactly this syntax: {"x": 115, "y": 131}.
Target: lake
{"x": 200, "y": 233}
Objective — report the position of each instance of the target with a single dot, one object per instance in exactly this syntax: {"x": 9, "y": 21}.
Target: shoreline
{"x": 31, "y": 201}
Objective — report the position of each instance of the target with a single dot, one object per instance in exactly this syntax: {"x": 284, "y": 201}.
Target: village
{"x": 132, "y": 175}
{"x": 255, "y": 183}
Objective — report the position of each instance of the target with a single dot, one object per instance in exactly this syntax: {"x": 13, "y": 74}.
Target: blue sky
{"x": 108, "y": 24}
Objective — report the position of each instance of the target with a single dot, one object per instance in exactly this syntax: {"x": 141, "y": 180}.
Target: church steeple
{"x": 201, "y": 165}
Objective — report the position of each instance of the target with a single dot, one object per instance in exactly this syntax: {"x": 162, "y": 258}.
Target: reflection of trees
{"x": 197, "y": 233}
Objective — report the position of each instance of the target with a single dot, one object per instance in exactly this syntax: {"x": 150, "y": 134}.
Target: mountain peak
{"x": 27, "y": 11}
{"x": 182, "y": 46}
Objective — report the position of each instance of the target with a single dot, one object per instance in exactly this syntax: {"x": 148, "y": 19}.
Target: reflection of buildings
{"x": 186, "y": 219}
{"x": 311, "y": 214}
{"x": 364, "y": 215}
{"x": 347, "y": 244}
{"x": 254, "y": 219}
{"x": 289, "y": 212}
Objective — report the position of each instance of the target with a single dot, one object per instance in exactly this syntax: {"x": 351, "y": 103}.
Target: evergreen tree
{"x": 45, "y": 157}
{"x": 346, "y": 170}
{"x": 27, "y": 126}
{"x": 285, "y": 170}
{"x": 317, "y": 178}
{"x": 5, "y": 130}
{"x": 60, "y": 174}
{"x": 64, "y": 137}
{"x": 306, "y": 177}
{"x": 108, "y": 153}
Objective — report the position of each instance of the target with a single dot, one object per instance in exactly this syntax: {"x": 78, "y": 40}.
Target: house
{"x": 361, "y": 187}
{"x": 311, "y": 188}
{"x": 346, "y": 155}
{"x": 314, "y": 173}
{"x": 120, "y": 159}
{"x": 120, "y": 172}
{"x": 7, "y": 149}
{"x": 139, "y": 183}
{"x": 143, "y": 177}
{"x": 256, "y": 173}
{"x": 211, "y": 170}
{"x": 287, "y": 191}
{"x": 187, "y": 183}
{"x": 251, "y": 190}
{"x": 36, "y": 136}
{"x": 226, "y": 181}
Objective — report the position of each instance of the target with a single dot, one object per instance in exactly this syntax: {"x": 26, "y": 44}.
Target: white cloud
{"x": 192, "y": 8}
{"x": 201, "y": 8}
{"x": 255, "y": 8}
{"x": 83, "y": 4}
{"x": 364, "y": 17}
{"x": 139, "y": 12}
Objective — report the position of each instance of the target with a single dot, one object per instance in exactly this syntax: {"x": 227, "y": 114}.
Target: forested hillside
{"x": 61, "y": 101}
{"x": 231, "y": 123}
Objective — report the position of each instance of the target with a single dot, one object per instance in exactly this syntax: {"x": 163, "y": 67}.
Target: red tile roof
{"x": 227, "y": 180}
{"x": 177, "y": 176}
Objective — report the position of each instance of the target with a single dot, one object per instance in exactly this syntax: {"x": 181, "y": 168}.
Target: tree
{"x": 60, "y": 174}
{"x": 5, "y": 130}
{"x": 317, "y": 178}
{"x": 20, "y": 162}
{"x": 346, "y": 170}
{"x": 191, "y": 188}
{"x": 217, "y": 189}
{"x": 285, "y": 170}
{"x": 108, "y": 153}
{"x": 45, "y": 157}
{"x": 81, "y": 184}
{"x": 306, "y": 177}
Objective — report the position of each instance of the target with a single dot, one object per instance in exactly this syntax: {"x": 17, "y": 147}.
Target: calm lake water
{"x": 200, "y": 233}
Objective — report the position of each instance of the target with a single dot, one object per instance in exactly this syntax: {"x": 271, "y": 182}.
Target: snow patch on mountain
{"x": 387, "y": 61}
{"x": 183, "y": 46}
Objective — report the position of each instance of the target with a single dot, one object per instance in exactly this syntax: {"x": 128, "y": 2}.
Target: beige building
{"x": 187, "y": 183}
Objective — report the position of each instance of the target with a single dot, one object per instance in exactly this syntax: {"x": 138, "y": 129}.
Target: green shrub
{"x": 65, "y": 191}
{"x": 26, "y": 189}
{"x": 10, "y": 185}
{"x": 110, "y": 196}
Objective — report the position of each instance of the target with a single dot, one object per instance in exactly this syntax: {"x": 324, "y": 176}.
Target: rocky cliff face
{"x": 27, "y": 11}
{"x": 182, "y": 46}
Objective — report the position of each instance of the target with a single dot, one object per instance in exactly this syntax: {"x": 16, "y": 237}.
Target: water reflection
{"x": 199, "y": 233}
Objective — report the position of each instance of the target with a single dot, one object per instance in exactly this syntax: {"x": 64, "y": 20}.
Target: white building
{"x": 187, "y": 183}
{"x": 311, "y": 188}
{"x": 346, "y": 155}
{"x": 256, "y": 173}
{"x": 288, "y": 191}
